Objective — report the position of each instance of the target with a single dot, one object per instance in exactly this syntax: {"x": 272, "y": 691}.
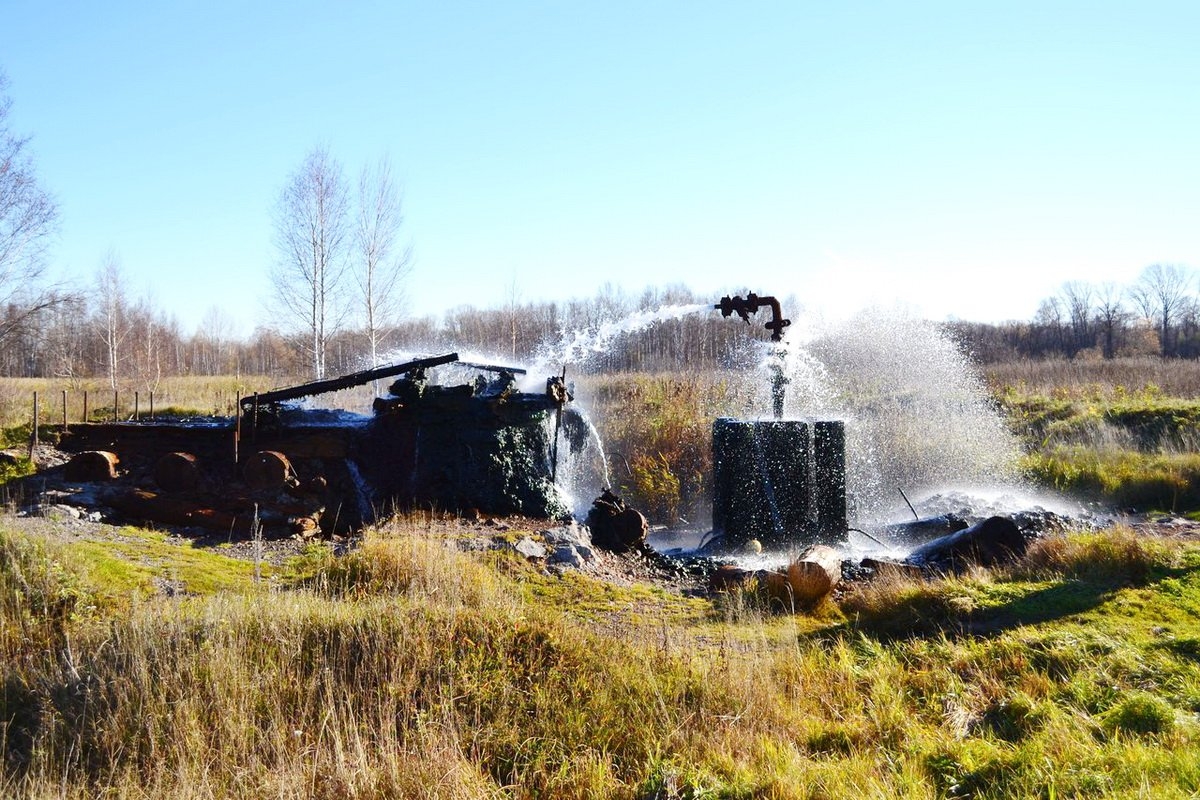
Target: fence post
{"x": 64, "y": 395}
{"x": 85, "y": 405}
{"x": 136, "y": 403}
{"x": 237, "y": 433}
{"x": 33, "y": 436}
{"x": 114, "y": 405}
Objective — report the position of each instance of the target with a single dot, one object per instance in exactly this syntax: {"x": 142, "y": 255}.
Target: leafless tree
{"x": 1110, "y": 315}
{"x": 1049, "y": 320}
{"x": 311, "y": 229}
{"x": 1160, "y": 293}
{"x": 1077, "y": 302}
{"x": 382, "y": 263}
{"x": 28, "y": 219}
{"x": 112, "y": 315}
{"x": 513, "y": 298}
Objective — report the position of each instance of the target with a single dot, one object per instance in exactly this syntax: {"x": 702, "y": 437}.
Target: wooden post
{"x": 237, "y": 431}
{"x": 33, "y": 436}
{"x": 151, "y": 405}
{"x": 85, "y": 405}
{"x": 114, "y": 405}
{"x": 64, "y": 395}
{"x": 136, "y": 410}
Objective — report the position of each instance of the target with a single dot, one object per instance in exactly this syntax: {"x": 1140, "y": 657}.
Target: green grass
{"x": 406, "y": 668}
{"x": 1123, "y": 449}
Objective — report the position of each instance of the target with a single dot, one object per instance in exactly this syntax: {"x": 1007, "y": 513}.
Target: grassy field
{"x": 1126, "y": 433}
{"x": 407, "y": 669}
{"x": 137, "y": 667}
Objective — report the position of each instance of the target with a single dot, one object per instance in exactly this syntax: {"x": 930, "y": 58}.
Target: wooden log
{"x": 996, "y": 540}
{"x": 813, "y": 575}
{"x": 892, "y": 569}
{"x": 177, "y": 472}
{"x": 727, "y": 577}
{"x": 267, "y": 470}
{"x": 92, "y": 465}
{"x": 177, "y": 511}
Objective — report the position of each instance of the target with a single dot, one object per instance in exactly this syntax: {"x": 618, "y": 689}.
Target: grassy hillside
{"x": 409, "y": 669}
{"x": 1128, "y": 444}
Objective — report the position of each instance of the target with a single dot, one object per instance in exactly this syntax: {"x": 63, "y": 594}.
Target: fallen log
{"x": 926, "y": 529}
{"x": 267, "y": 470}
{"x": 92, "y": 465}
{"x": 996, "y": 540}
{"x": 883, "y": 568}
{"x": 813, "y": 575}
{"x": 177, "y": 472}
{"x": 141, "y": 504}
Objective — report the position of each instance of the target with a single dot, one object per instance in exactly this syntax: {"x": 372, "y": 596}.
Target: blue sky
{"x": 958, "y": 159}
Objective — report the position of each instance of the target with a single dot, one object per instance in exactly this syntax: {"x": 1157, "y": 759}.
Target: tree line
{"x": 339, "y": 282}
{"x": 1159, "y": 314}
{"x": 106, "y": 333}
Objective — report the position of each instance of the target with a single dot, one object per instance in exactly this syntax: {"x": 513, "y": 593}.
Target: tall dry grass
{"x": 407, "y": 669}
{"x": 1096, "y": 378}
{"x": 179, "y": 394}
{"x": 657, "y": 430}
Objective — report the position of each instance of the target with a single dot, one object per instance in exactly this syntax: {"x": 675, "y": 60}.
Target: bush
{"x": 1139, "y": 713}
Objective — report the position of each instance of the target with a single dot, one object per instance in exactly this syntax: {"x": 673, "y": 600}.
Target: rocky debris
{"x": 615, "y": 526}
{"x": 530, "y": 548}
{"x": 572, "y": 546}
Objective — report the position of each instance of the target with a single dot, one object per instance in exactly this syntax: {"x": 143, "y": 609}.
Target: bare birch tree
{"x": 383, "y": 263}
{"x": 28, "y": 219}
{"x": 112, "y": 315}
{"x": 311, "y": 236}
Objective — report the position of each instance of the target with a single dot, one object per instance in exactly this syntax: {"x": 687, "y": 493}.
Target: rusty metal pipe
{"x": 748, "y": 305}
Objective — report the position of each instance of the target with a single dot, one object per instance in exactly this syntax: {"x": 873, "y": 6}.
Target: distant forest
{"x": 109, "y": 336}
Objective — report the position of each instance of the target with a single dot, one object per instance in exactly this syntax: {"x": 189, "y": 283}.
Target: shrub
{"x": 1139, "y": 713}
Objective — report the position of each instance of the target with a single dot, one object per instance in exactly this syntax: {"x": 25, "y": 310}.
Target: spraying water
{"x": 917, "y": 415}
{"x": 581, "y": 346}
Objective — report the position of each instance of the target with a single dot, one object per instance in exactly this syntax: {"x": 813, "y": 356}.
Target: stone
{"x": 616, "y": 527}
{"x": 530, "y": 548}
{"x": 566, "y": 555}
